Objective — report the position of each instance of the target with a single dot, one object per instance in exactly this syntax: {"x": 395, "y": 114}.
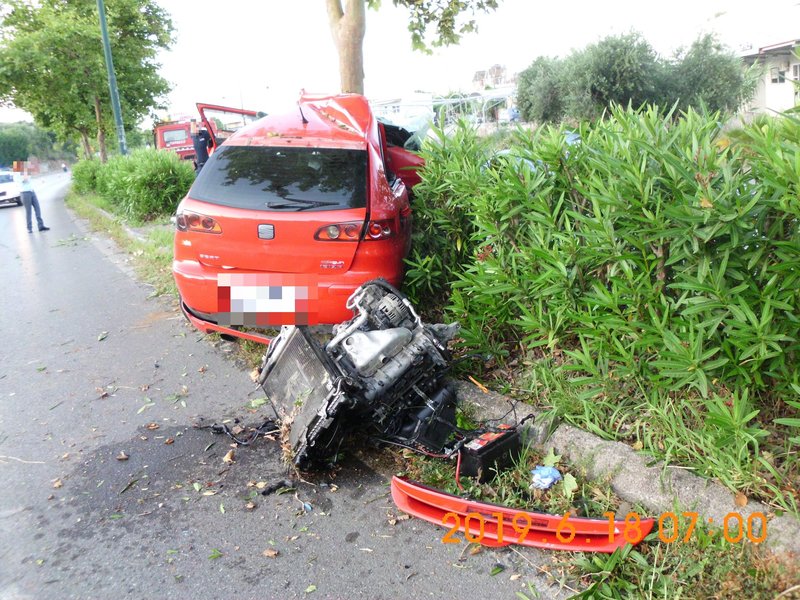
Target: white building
{"x": 777, "y": 88}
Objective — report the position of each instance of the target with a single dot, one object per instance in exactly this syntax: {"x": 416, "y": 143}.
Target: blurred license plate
{"x": 266, "y": 300}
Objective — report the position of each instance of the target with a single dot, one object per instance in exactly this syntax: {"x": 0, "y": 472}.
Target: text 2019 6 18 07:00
{"x": 735, "y": 527}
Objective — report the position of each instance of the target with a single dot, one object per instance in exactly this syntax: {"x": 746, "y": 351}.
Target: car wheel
{"x": 19, "y": 201}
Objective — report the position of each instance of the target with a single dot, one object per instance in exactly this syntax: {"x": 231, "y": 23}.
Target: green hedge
{"x": 142, "y": 186}
{"x": 84, "y": 176}
{"x": 654, "y": 248}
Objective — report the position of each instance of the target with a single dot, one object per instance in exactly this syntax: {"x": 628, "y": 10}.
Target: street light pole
{"x": 112, "y": 80}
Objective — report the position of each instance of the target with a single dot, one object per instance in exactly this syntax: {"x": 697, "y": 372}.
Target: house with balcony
{"x": 777, "y": 89}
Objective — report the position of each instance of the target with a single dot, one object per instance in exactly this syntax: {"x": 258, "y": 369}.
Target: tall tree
{"x": 348, "y": 25}
{"x": 709, "y": 74}
{"x": 14, "y": 145}
{"x": 51, "y": 63}
{"x": 540, "y": 95}
{"x": 625, "y": 69}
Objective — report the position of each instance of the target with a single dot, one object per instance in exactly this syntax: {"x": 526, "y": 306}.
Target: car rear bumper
{"x": 199, "y": 288}
{"x": 207, "y": 326}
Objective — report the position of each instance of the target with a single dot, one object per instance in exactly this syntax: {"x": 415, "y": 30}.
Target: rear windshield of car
{"x": 284, "y": 179}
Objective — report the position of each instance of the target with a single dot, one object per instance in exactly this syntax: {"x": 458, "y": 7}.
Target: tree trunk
{"x": 101, "y": 131}
{"x": 348, "y": 26}
{"x": 87, "y": 147}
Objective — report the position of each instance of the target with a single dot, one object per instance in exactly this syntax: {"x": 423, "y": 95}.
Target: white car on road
{"x": 10, "y": 187}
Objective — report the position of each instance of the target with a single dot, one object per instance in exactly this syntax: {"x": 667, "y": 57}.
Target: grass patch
{"x": 719, "y": 438}
{"x": 706, "y": 566}
{"x": 510, "y": 487}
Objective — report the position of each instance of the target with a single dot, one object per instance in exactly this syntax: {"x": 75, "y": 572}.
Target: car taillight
{"x": 339, "y": 232}
{"x": 351, "y": 232}
{"x": 379, "y": 230}
{"x": 189, "y": 221}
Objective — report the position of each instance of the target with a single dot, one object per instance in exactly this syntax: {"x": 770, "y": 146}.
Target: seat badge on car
{"x": 266, "y": 231}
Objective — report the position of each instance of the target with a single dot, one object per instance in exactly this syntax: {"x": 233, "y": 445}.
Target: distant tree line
{"x": 20, "y": 141}
{"x": 625, "y": 69}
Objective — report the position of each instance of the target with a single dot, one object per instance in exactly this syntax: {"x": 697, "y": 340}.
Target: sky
{"x": 259, "y": 54}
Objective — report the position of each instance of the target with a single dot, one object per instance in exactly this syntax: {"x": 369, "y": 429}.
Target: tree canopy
{"x": 52, "y": 65}
{"x": 625, "y": 69}
{"x": 20, "y": 141}
{"x": 448, "y": 20}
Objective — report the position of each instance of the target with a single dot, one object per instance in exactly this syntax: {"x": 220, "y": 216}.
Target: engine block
{"x": 383, "y": 373}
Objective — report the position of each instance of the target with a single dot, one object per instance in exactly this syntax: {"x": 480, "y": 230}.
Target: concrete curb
{"x": 635, "y": 478}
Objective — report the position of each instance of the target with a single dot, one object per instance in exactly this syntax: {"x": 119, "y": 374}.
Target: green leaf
{"x": 215, "y": 554}
{"x": 197, "y": 487}
{"x": 257, "y": 402}
{"x": 310, "y": 589}
{"x": 551, "y": 460}
{"x": 569, "y": 485}
{"x": 147, "y": 404}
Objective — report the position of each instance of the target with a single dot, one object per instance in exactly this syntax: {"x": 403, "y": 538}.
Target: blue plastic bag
{"x": 544, "y": 477}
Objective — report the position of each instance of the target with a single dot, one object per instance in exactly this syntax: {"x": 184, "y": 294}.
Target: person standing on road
{"x": 29, "y": 199}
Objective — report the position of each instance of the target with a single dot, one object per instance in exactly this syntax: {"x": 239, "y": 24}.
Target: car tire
{"x": 19, "y": 201}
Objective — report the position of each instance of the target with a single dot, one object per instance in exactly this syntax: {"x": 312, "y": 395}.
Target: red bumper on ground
{"x": 494, "y": 525}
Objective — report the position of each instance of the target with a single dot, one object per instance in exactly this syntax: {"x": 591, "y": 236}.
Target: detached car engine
{"x": 382, "y": 373}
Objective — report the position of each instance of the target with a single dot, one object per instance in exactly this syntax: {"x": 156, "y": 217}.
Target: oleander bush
{"x": 142, "y": 186}
{"x": 651, "y": 273}
{"x": 84, "y": 175}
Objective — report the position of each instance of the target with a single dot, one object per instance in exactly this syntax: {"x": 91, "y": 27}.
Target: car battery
{"x": 486, "y": 454}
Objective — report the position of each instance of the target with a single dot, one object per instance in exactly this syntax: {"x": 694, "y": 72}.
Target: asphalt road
{"x": 93, "y": 366}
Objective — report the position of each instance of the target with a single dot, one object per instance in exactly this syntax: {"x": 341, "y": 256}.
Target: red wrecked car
{"x": 289, "y": 215}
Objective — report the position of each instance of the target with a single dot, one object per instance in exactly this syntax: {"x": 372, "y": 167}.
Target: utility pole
{"x": 112, "y": 80}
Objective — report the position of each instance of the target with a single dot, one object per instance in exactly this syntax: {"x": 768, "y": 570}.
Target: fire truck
{"x": 176, "y": 137}
{"x": 216, "y": 123}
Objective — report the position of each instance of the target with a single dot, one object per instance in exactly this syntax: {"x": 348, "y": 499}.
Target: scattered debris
{"x": 152, "y": 426}
{"x": 544, "y": 477}
{"x": 122, "y": 456}
{"x": 215, "y": 554}
{"x": 129, "y": 485}
{"x": 270, "y": 553}
{"x": 228, "y": 459}
{"x": 478, "y": 385}
{"x": 283, "y": 484}
{"x": 57, "y": 483}
{"x": 103, "y": 335}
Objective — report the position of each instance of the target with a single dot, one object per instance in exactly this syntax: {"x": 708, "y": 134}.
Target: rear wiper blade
{"x": 299, "y": 204}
